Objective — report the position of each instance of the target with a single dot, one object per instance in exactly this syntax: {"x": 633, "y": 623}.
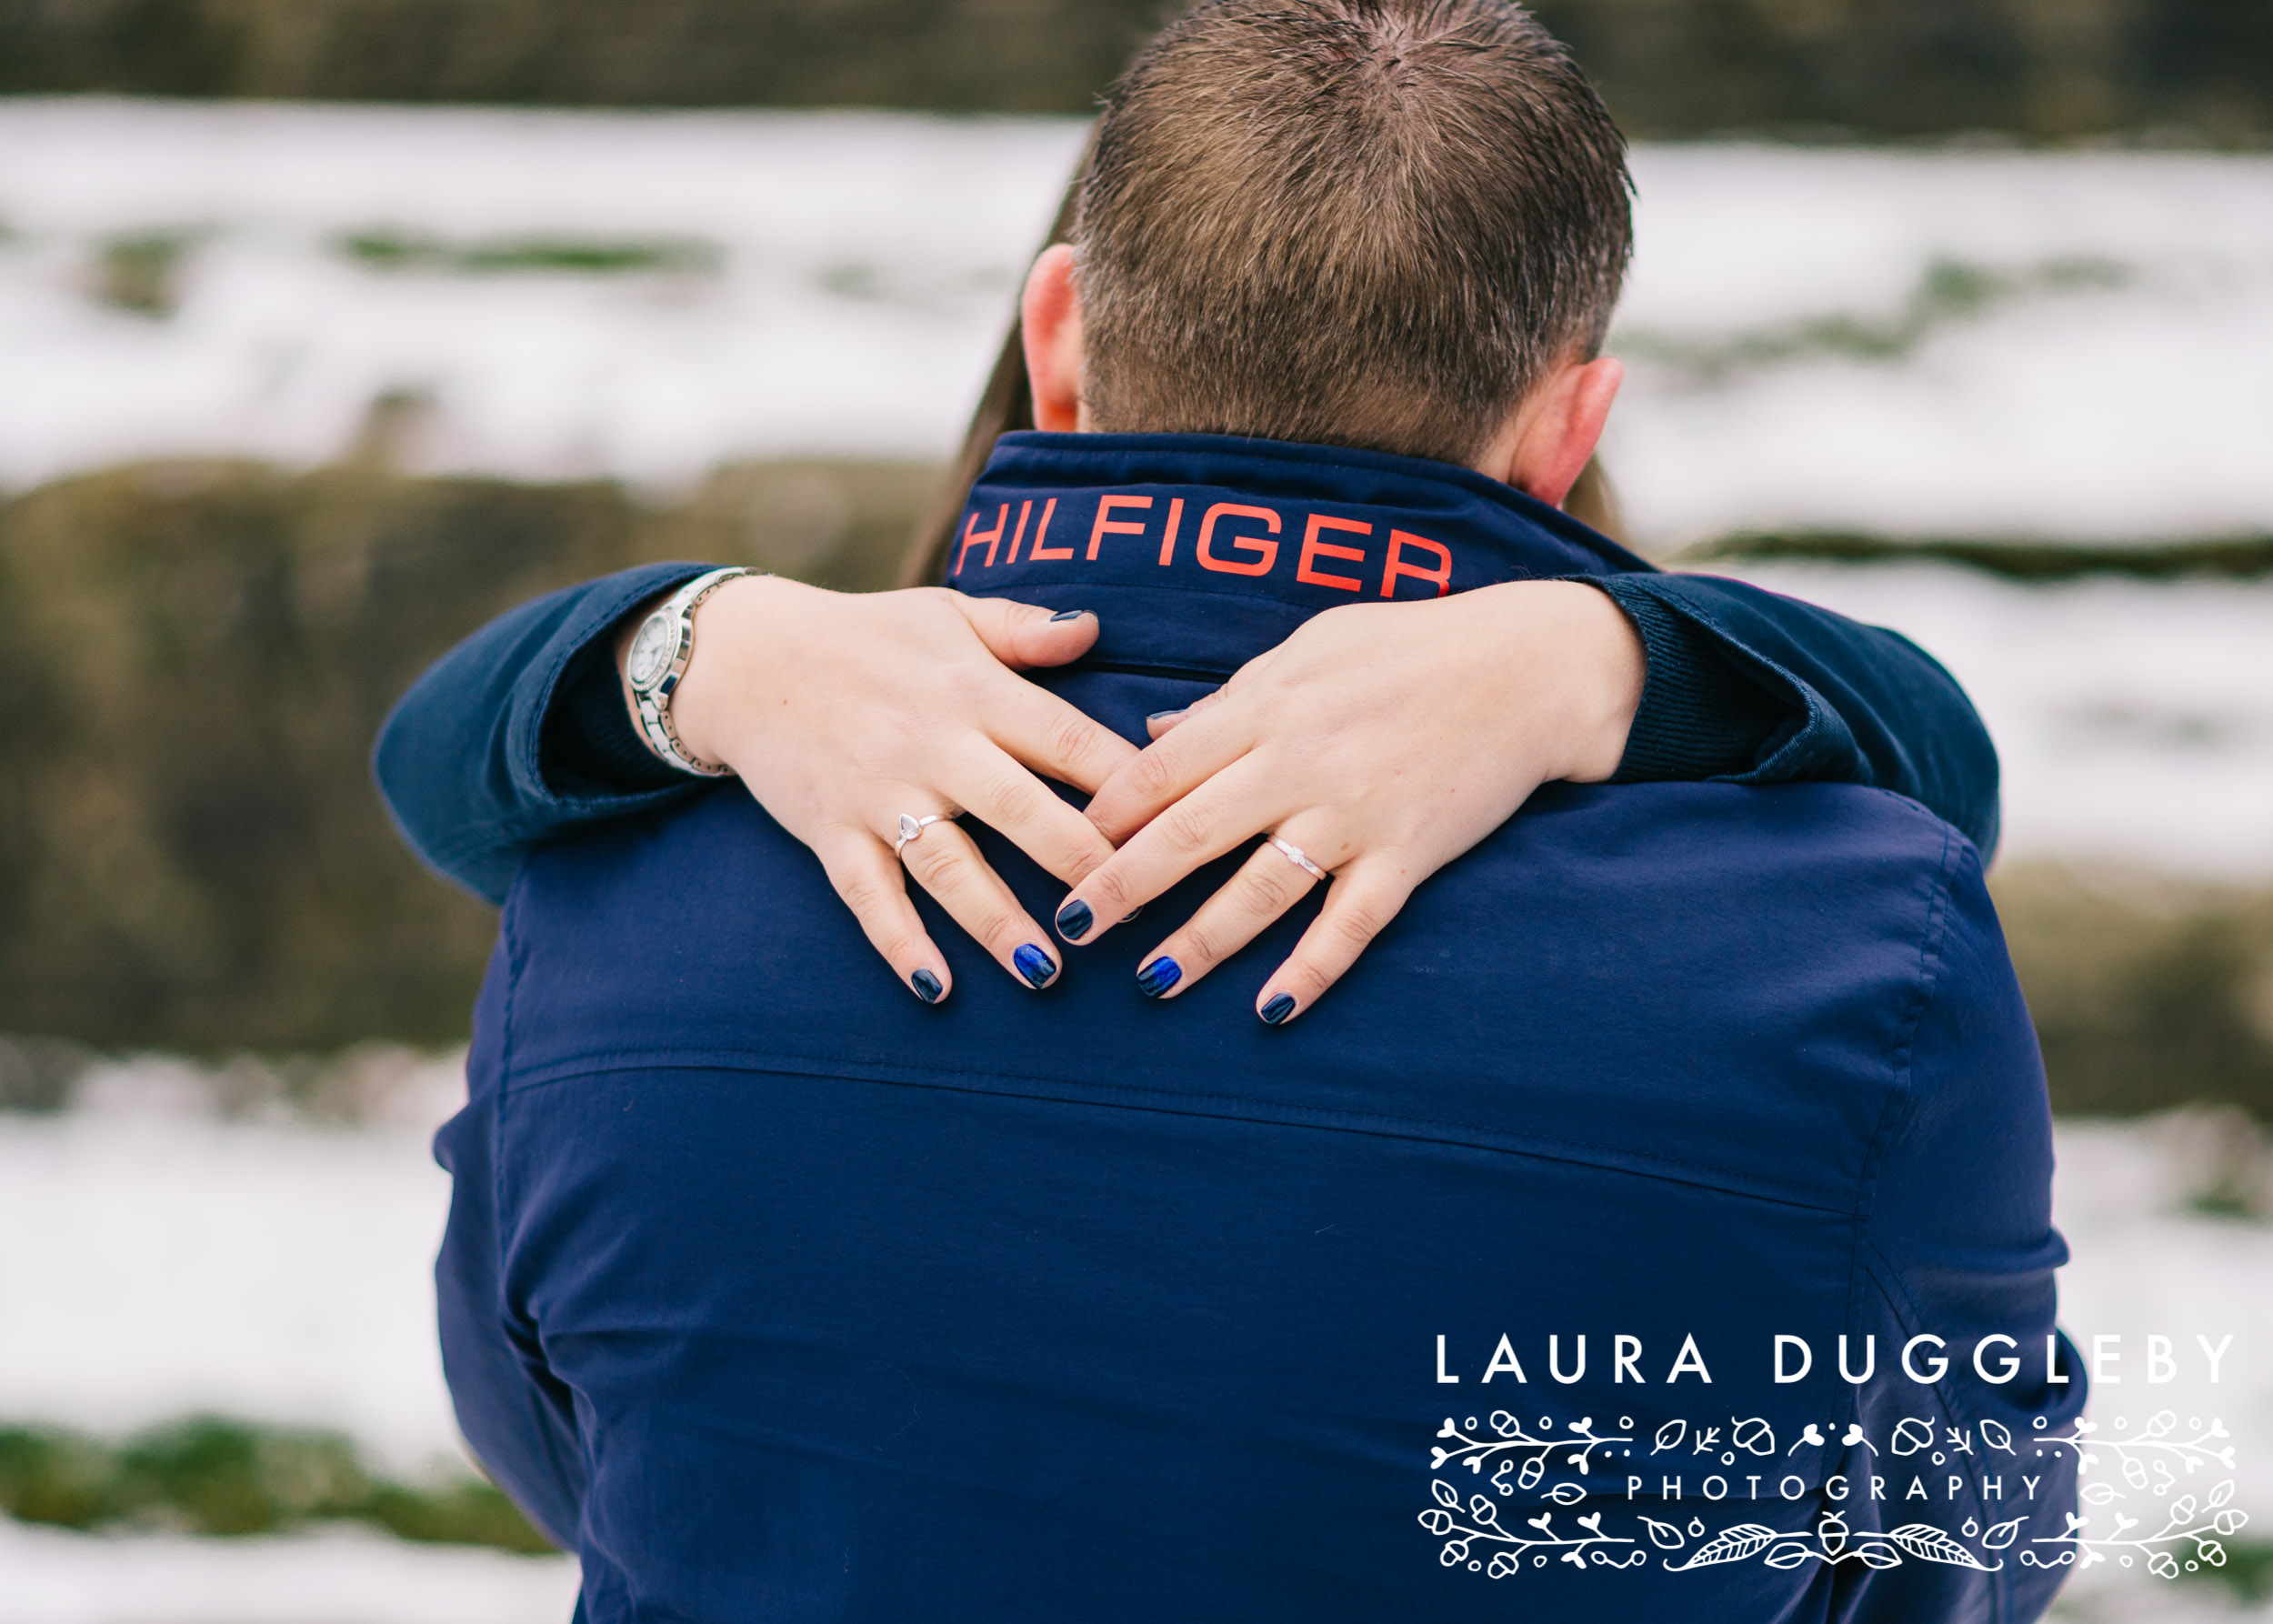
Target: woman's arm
{"x": 1381, "y": 741}
{"x": 520, "y": 733}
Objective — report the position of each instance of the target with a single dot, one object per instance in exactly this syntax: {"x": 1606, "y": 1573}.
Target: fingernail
{"x": 1277, "y": 1009}
{"x": 1069, "y": 614}
{"x": 1073, "y": 921}
{"x": 1035, "y": 965}
{"x": 1159, "y": 976}
{"x": 1162, "y": 715}
{"x": 927, "y": 986}
{"x": 1132, "y": 913}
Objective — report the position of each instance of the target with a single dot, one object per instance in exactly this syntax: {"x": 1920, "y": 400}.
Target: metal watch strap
{"x": 655, "y": 704}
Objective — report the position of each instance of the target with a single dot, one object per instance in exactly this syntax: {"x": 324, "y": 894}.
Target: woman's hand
{"x": 841, "y": 711}
{"x": 1382, "y": 741}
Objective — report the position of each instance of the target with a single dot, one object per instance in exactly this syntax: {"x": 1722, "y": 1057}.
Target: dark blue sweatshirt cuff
{"x": 590, "y": 743}
{"x": 1858, "y": 704}
{"x": 461, "y": 762}
{"x": 1700, "y": 717}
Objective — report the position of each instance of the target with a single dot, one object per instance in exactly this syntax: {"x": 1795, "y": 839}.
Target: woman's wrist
{"x": 1566, "y": 639}
{"x": 1619, "y": 668}
{"x": 732, "y": 630}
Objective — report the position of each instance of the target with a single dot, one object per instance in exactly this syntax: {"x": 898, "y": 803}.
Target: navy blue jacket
{"x": 778, "y": 1295}
{"x": 520, "y": 733}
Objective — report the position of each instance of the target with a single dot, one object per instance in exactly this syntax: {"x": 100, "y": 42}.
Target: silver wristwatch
{"x": 659, "y": 652}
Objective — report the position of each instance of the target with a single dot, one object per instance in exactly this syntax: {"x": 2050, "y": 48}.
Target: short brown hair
{"x": 1371, "y": 223}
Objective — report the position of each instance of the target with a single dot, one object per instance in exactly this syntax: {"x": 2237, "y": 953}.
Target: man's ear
{"x": 1546, "y": 445}
{"x": 1049, "y": 316}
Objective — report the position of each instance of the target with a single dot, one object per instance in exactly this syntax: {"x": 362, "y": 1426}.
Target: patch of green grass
{"x": 210, "y": 1475}
{"x": 2242, "y": 557}
{"x": 2224, "y": 1203}
{"x": 1950, "y": 292}
{"x": 384, "y": 250}
{"x": 2246, "y": 1572}
{"x": 55, "y": 1477}
{"x": 140, "y": 273}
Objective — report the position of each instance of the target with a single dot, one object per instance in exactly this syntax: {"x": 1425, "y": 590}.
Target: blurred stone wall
{"x": 197, "y": 658}
{"x": 2040, "y": 68}
{"x": 2147, "y": 992}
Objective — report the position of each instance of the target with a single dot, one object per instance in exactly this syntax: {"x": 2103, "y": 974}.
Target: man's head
{"x": 1393, "y": 224}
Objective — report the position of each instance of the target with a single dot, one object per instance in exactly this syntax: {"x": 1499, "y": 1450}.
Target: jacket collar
{"x": 1197, "y": 552}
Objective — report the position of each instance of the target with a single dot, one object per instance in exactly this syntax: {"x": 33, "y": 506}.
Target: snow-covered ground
{"x": 337, "y": 1576}
{"x": 2134, "y": 720}
{"x": 155, "y": 1258}
{"x": 2065, "y": 345}
{"x": 2075, "y": 346}
{"x": 849, "y": 278}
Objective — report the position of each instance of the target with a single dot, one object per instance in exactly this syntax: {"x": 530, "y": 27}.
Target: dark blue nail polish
{"x": 1069, "y": 614}
{"x": 927, "y": 986}
{"x": 1073, "y": 921}
{"x": 1162, "y": 715}
{"x": 1035, "y": 965}
{"x": 1159, "y": 976}
{"x": 1277, "y": 1009}
{"x": 1132, "y": 913}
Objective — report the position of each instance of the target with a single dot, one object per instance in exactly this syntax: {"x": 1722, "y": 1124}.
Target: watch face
{"x": 651, "y": 651}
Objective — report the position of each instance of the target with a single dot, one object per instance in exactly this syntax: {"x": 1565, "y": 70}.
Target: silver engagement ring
{"x": 912, "y": 826}
{"x": 1293, "y": 854}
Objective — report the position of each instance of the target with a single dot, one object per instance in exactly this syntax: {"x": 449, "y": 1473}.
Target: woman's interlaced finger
{"x": 872, "y": 884}
{"x": 1026, "y": 811}
{"x": 1363, "y": 897}
{"x": 1220, "y": 816}
{"x": 1264, "y": 887}
{"x": 947, "y": 863}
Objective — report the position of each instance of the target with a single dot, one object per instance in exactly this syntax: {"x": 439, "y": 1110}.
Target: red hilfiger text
{"x": 1233, "y": 538}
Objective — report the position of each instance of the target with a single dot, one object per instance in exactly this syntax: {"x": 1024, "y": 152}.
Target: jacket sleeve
{"x": 463, "y": 762}
{"x": 1750, "y": 686}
